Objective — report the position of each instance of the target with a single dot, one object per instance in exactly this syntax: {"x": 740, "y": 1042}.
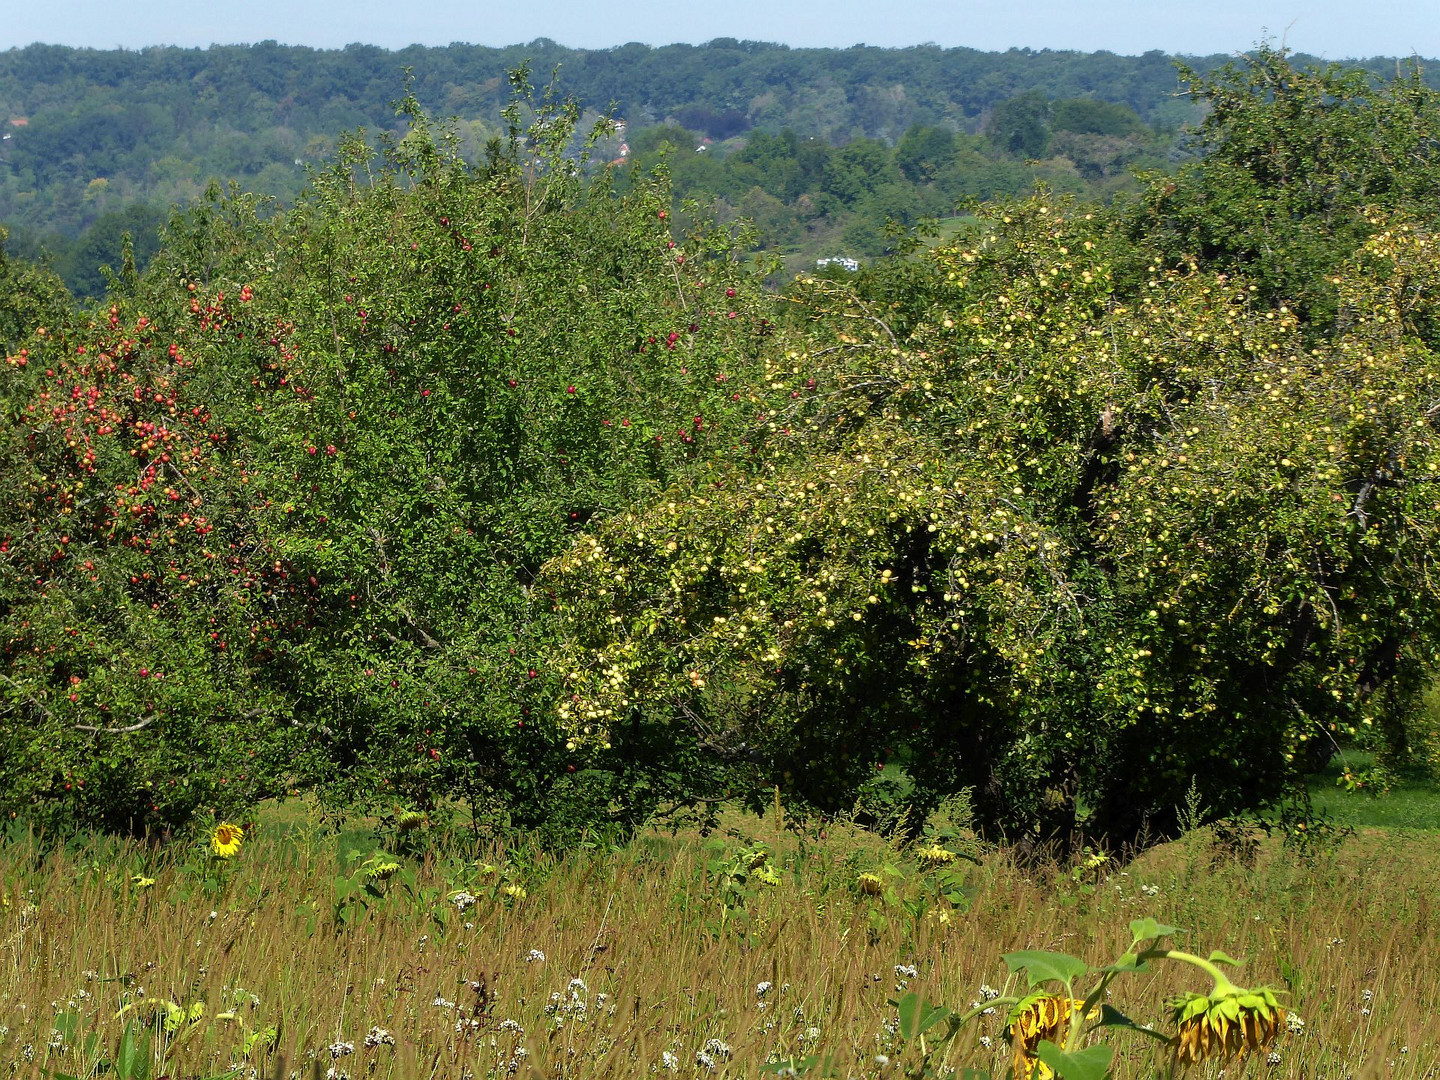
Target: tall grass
{"x": 656, "y": 960}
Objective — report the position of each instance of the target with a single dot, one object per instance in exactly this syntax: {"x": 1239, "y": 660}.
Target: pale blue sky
{"x": 1334, "y": 29}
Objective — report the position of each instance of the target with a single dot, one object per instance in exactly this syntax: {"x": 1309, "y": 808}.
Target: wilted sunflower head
{"x": 870, "y": 884}
{"x": 225, "y": 841}
{"x": 935, "y": 855}
{"x": 766, "y": 875}
{"x": 1230, "y": 1023}
{"x": 1039, "y": 1017}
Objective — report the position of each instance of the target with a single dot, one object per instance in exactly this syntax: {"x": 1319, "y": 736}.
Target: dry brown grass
{"x": 663, "y": 972}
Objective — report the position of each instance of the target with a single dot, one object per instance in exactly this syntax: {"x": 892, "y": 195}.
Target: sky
{"x": 1332, "y": 29}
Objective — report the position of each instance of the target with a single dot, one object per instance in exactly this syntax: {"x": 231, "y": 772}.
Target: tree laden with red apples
{"x": 139, "y": 601}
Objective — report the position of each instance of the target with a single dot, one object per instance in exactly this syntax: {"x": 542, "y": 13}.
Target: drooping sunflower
{"x": 1037, "y": 1018}
{"x": 225, "y": 841}
{"x": 1227, "y": 1024}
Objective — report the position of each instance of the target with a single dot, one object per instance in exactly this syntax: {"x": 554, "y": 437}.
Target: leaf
{"x": 1040, "y": 965}
{"x": 1092, "y": 1063}
{"x": 1219, "y": 956}
{"x": 1147, "y": 928}
{"x": 1113, "y": 1017}
{"x": 1127, "y": 963}
{"x": 916, "y": 1017}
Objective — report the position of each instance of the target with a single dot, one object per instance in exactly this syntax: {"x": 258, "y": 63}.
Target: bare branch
{"x": 141, "y": 726}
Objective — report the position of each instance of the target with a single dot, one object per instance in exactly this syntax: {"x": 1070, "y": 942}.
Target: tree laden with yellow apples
{"x": 1066, "y": 546}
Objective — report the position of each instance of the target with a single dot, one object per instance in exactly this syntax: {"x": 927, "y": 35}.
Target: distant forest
{"x": 820, "y": 148}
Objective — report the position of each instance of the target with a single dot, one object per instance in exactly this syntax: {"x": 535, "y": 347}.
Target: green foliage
{"x": 312, "y": 465}
{"x": 1070, "y": 547}
{"x": 1298, "y": 165}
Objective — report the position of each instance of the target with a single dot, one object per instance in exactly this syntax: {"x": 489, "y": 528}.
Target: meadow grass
{"x": 656, "y": 955}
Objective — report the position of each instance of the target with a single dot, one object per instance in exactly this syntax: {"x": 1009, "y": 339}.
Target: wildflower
{"x": 512, "y": 1025}
{"x": 882, "y": 1061}
{"x": 704, "y": 1060}
{"x": 1229, "y": 1023}
{"x": 871, "y": 884}
{"x": 140, "y": 881}
{"x": 988, "y": 992}
{"x": 756, "y": 858}
{"x": 378, "y": 1036}
{"x": 515, "y": 892}
{"x": 441, "y": 1003}
{"x": 719, "y": 1049}
{"x": 225, "y": 841}
{"x": 534, "y": 956}
{"x": 669, "y": 1061}
{"x": 339, "y": 1048}
{"x": 409, "y": 820}
{"x": 763, "y": 988}
{"x": 1272, "y": 1058}
{"x": 986, "y": 1042}
{"x": 767, "y": 875}
{"x": 1294, "y": 1024}
{"x": 1037, "y": 1018}
{"x": 462, "y": 900}
{"x": 906, "y": 971}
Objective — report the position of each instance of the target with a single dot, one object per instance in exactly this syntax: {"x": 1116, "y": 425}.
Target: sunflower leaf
{"x": 1092, "y": 1063}
{"x": 1147, "y": 928}
{"x": 1040, "y": 965}
{"x": 1113, "y": 1017}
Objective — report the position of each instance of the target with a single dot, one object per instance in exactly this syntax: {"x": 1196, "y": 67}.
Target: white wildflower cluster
{"x": 1273, "y": 1058}
{"x": 466, "y": 1024}
{"x": 441, "y": 1003}
{"x": 534, "y": 956}
{"x": 987, "y": 993}
{"x": 1150, "y": 890}
{"x": 575, "y": 1005}
{"x": 512, "y": 1025}
{"x": 906, "y": 971}
{"x": 378, "y": 1036}
{"x": 1294, "y": 1024}
{"x": 669, "y": 1061}
{"x": 986, "y": 1042}
{"x": 720, "y": 1050}
{"x": 339, "y": 1048}
{"x": 763, "y": 988}
{"x": 462, "y": 900}
{"x": 336, "y": 1073}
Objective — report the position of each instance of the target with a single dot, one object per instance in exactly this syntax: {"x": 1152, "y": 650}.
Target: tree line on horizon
{"x": 102, "y": 143}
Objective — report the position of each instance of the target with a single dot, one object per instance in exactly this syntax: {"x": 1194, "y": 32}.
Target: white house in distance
{"x": 843, "y": 261}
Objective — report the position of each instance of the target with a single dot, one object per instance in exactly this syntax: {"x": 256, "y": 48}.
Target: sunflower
{"x": 1225, "y": 1024}
{"x": 935, "y": 855}
{"x": 1039, "y": 1017}
{"x": 225, "y": 841}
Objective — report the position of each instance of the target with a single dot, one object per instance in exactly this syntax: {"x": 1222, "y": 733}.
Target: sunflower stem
{"x": 1222, "y": 984}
